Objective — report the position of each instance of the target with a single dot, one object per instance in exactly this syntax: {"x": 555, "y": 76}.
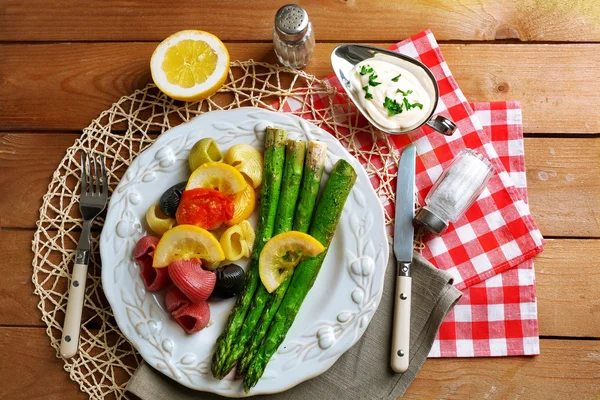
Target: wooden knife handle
{"x": 69, "y": 343}
{"x": 401, "y": 328}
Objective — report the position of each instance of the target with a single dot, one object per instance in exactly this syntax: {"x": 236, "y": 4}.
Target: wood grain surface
{"x": 340, "y": 20}
{"x": 63, "y": 86}
{"x": 562, "y": 175}
{"x": 565, "y": 369}
{"x": 567, "y": 285}
{"x": 63, "y": 62}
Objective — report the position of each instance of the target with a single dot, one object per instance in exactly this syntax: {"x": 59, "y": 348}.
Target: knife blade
{"x": 403, "y": 251}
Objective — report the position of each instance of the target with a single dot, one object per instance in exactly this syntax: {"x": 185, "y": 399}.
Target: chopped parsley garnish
{"x": 368, "y": 95}
{"x": 392, "y": 106}
{"x": 395, "y": 79}
{"x": 372, "y": 78}
{"x": 408, "y": 106}
{"x": 403, "y": 92}
{"x": 365, "y": 69}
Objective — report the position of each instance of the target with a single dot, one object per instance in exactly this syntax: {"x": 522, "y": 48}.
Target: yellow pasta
{"x": 204, "y": 151}
{"x": 247, "y": 160}
{"x": 237, "y": 241}
{"x": 243, "y": 205}
{"x": 157, "y": 221}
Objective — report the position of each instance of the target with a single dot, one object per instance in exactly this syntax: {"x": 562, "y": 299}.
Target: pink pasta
{"x": 194, "y": 282}
{"x": 143, "y": 254}
{"x": 174, "y": 299}
{"x": 193, "y": 317}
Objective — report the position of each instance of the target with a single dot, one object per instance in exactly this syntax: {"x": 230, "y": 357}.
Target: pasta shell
{"x": 205, "y": 150}
{"x": 243, "y": 205}
{"x": 230, "y": 281}
{"x": 194, "y": 282}
{"x": 143, "y": 254}
{"x": 193, "y": 317}
{"x": 169, "y": 200}
{"x": 145, "y": 248}
{"x": 175, "y": 299}
{"x": 247, "y": 160}
{"x": 157, "y": 221}
{"x": 237, "y": 241}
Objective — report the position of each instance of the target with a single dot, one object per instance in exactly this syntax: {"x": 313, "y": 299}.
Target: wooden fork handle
{"x": 69, "y": 343}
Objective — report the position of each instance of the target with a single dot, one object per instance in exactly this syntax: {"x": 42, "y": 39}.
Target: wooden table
{"x": 62, "y": 63}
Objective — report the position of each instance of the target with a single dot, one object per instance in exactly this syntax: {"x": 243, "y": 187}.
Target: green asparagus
{"x": 327, "y": 215}
{"x": 273, "y": 170}
{"x": 290, "y": 187}
{"x": 311, "y": 181}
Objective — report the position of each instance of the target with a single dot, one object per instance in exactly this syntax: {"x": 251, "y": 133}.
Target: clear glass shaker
{"x": 455, "y": 191}
{"x": 293, "y": 36}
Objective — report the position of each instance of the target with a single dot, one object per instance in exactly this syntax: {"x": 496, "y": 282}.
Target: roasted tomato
{"x": 206, "y": 208}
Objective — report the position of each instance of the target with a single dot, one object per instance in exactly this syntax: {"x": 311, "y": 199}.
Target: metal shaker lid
{"x": 291, "y": 22}
{"x": 430, "y": 221}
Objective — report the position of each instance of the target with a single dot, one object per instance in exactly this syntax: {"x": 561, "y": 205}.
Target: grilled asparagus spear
{"x": 290, "y": 187}
{"x": 327, "y": 215}
{"x": 270, "y": 191}
{"x": 311, "y": 181}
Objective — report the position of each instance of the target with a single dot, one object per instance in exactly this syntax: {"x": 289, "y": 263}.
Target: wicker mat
{"x": 106, "y": 360}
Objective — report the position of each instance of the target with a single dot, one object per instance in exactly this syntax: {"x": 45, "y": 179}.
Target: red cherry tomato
{"x": 206, "y": 208}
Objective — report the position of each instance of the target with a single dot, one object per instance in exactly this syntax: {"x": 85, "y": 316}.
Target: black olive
{"x": 169, "y": 201}
{"x": 230, "y": 281}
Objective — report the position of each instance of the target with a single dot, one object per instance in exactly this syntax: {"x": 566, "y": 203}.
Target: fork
{"x": 94, "y": 195}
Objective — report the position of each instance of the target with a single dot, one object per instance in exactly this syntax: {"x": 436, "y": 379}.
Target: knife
{"x": 403, "y": 250}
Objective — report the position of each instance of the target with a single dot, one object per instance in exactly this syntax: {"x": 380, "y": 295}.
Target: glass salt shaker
{"x": 455, "y": 191}
{"x": 293, "y": 36}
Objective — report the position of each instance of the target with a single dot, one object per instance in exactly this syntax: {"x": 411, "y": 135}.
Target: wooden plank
{"x": 241, "y": 20}
{"x": 567, "y": 278}
{"x": 563, "y": 187}
{"x": 65, "y": 86}
{"x": 27, "y": 163}
{"x": 563, "y": 369}
{"x": 19, "y": 304}
{"x": 28, "y": 369}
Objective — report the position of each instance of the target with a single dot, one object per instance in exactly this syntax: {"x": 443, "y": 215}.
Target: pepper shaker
{"x": 293, "y": 36}
{"x": 455, "y": 191}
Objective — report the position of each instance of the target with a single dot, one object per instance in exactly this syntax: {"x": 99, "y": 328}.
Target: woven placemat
{"x": 106, "y": 360}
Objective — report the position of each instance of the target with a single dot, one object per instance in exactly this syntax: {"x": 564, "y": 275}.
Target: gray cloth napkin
{"x": 363, "y": 372}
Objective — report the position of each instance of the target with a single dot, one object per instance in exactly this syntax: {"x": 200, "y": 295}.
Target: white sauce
{"x": 386, "y": 71}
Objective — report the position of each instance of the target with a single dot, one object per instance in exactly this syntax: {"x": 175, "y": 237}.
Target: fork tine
{"x": 90, "y": 184}
{"x": 104, "y": 183}
{"x": 96, "y": 177}
{"x": 83, "y": 173}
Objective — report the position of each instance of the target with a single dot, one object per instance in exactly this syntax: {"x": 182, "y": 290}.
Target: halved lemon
{"x": 184, "y": 242}
{"x": 190, "y": 65}
{"x": 219, "y": 176}
{"x": 282, "y": 253}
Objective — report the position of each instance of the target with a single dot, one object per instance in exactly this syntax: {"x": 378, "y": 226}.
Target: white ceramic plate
{"x": 336, "y": 311}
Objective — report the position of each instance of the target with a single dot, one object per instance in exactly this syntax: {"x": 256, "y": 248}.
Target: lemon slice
{"x": 282, "y": 253}
{"x": 190, "y": 65}
{"x": 219, "y": 176}
{"x": 185, "y": 242}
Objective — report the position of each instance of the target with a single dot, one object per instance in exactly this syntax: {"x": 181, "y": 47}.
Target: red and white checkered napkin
{"x": 497, "y": 317}
{"x": 495, "y": 235}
